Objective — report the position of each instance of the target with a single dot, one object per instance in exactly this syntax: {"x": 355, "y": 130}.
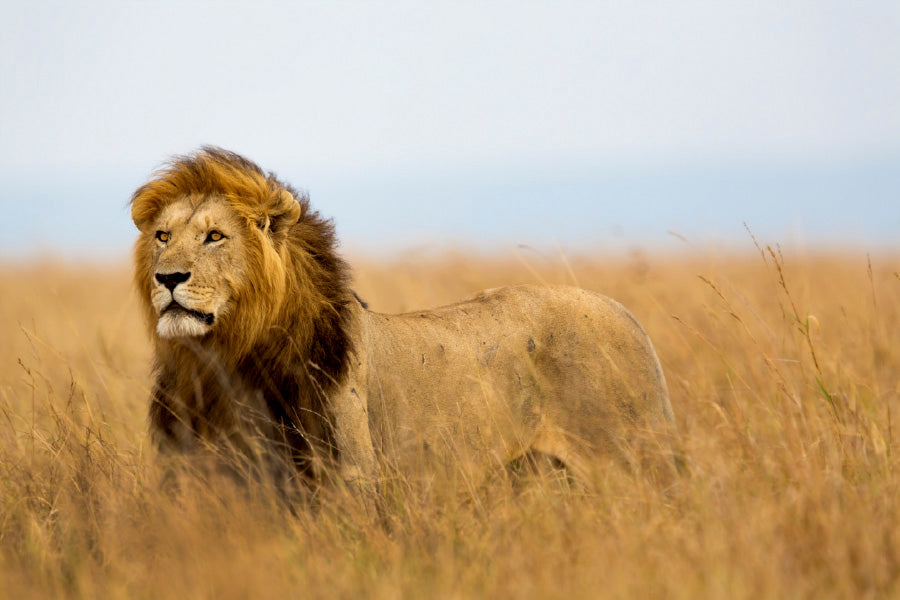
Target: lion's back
{"x": 591, "y": 351}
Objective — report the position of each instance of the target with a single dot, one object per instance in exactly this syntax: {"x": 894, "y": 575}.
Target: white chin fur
{"x": 180, "y": 325}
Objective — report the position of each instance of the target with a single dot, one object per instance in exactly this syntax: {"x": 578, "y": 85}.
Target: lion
{"x": 262, "y": 348}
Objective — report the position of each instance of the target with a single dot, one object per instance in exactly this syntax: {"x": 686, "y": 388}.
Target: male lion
{"x": 261, "y": 347}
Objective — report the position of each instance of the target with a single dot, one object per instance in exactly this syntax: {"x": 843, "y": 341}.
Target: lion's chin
{"x": 178, "y": 324}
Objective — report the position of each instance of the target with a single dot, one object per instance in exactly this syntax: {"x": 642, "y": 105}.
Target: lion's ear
{"x": 144, "y": 207}
{"x": 285, "y": 212}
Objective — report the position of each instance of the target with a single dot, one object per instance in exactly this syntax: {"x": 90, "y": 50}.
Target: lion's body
{"x": 262, "y": 348}
{"x": 555, "y": 369}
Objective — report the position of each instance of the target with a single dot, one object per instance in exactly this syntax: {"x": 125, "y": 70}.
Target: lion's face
{"x": 195, "y": 261}
{"x": 218, "y": 241}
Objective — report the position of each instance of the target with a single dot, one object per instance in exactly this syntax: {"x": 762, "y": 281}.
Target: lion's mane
{"x": 287, "y": 333}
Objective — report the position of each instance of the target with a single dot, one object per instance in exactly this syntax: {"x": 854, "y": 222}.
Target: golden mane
{"x": 216, "y": 172}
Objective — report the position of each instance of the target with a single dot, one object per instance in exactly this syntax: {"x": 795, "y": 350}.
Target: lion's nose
{"x": 170, "y": 280}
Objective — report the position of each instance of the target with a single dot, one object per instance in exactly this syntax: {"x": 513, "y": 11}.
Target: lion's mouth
{"x": 176, "y": 308}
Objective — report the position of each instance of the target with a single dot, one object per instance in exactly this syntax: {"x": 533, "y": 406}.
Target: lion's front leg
{"x": 356, "y": 454}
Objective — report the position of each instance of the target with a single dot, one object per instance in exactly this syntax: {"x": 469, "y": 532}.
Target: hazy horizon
{"x": 579, "y": 211}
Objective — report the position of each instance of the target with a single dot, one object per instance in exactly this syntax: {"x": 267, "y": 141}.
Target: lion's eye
{"x": 214, "y": 236}
{"x": 162, "y": 236}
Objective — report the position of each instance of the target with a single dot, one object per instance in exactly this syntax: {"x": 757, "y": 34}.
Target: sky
{"x": 584, "y": 125}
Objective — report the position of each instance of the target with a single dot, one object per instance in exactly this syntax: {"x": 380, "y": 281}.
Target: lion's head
{"x": 228, "y": 252}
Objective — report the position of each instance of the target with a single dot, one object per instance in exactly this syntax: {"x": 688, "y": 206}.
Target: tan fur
{"x": 292, "y": 365}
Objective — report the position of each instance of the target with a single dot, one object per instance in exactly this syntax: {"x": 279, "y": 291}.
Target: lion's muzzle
{"x": 178, "y": 307}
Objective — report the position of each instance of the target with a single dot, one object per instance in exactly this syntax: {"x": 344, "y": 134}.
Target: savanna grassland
{"x": 784, "y": 373}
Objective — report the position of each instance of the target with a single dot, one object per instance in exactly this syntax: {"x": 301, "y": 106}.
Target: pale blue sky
{"x": 585, "y": 124}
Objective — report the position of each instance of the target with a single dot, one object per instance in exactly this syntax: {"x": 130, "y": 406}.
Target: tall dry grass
{"x": 784, "y": 372}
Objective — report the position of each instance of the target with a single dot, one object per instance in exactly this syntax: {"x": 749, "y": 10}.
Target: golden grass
{"x": 784, "y": 373}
